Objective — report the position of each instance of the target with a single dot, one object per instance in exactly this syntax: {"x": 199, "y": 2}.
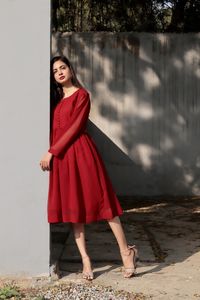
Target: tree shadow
{"x": 145, "y": 87}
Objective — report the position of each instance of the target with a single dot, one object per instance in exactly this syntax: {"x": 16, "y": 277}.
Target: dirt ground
{"x": 167, "y": 234}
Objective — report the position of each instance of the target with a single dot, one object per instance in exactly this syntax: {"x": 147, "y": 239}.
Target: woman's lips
{"x": 62, "y": 77}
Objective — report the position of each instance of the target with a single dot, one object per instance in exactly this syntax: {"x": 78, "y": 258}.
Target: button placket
{"x": 59, "y": 121}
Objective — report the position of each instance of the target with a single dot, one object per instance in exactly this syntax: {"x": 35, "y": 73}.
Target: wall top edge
{"x": 88, "y": 33}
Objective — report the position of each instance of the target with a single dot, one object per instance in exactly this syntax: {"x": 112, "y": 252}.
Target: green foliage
{"x": 12, "y": 291}
{"x": 126, "y": 15}
{"x": 9, "y": 291}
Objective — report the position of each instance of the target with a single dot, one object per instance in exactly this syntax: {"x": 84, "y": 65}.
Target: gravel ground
{"x": 87, "y": 292}
{"x": 74, "y": 291}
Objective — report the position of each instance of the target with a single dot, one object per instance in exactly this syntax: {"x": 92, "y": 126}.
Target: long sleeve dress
{"x": 80, "y": 190}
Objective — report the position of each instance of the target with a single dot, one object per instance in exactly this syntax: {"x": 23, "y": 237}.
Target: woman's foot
{"x": 87, "y": 268}
{"x": 129, "y": 258}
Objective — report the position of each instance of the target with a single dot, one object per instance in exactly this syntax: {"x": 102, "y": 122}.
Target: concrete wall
{"x": 145, "y": 117}
{"x": 24, "y": 122}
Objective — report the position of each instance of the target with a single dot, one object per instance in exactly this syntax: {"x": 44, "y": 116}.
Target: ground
{"x": 167, "y": 234}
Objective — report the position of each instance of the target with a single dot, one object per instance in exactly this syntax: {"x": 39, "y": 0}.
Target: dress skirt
{"x": 80, "y": 190}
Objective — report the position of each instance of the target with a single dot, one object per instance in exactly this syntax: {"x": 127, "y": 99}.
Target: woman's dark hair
{"x": 56, "y": 91}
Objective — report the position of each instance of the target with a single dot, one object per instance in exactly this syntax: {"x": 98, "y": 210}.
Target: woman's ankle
{"x": 125, "y": 251}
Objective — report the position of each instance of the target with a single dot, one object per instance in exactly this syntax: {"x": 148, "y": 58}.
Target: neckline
{"x": 70, "y": 95}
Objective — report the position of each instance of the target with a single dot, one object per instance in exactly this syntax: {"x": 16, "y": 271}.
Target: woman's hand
{"x": 45, "y": 161}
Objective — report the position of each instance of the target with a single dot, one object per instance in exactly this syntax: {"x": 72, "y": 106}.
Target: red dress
{"x": 80, "y": 189}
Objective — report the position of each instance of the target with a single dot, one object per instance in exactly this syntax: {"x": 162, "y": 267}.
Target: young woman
{"x": 80, "y": 190}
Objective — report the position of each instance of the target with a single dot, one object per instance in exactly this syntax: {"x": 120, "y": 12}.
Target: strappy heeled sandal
{"x": 129, "y": 272}
{"x": 87, "y": 275}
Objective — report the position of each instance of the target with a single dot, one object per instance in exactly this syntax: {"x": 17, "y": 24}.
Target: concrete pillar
{"x": 24, "y": 123}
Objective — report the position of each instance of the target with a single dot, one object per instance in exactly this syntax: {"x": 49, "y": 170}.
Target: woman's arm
{"x": 77, "y": 124}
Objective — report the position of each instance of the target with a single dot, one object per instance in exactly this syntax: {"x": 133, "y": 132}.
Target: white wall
{"x": 24, "y": 117}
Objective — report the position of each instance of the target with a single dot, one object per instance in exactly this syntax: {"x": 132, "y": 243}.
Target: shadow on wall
{"x": 118, "y": 164}
{"x": 144, "y": 89}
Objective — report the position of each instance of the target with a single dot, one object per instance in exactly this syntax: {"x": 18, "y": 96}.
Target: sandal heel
{"x": 129, "y": 272}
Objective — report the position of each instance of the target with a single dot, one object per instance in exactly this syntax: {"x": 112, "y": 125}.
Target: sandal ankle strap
{"x": 129, "y": 247}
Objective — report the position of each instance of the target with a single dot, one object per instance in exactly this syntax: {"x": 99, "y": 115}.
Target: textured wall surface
{"x": 24, "y": 119}
{"x": 145, "y": 117}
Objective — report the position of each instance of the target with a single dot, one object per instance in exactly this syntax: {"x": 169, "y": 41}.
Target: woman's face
{"x": 61, "y": 72}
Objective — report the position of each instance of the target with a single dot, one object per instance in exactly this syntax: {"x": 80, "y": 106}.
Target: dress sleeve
{"x": 77, "y": 125}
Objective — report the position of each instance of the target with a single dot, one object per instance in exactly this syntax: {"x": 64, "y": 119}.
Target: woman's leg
{"x": 118, "y": 232}
{"x": 79, "y": 235}
{"x": 117, "y": 229}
